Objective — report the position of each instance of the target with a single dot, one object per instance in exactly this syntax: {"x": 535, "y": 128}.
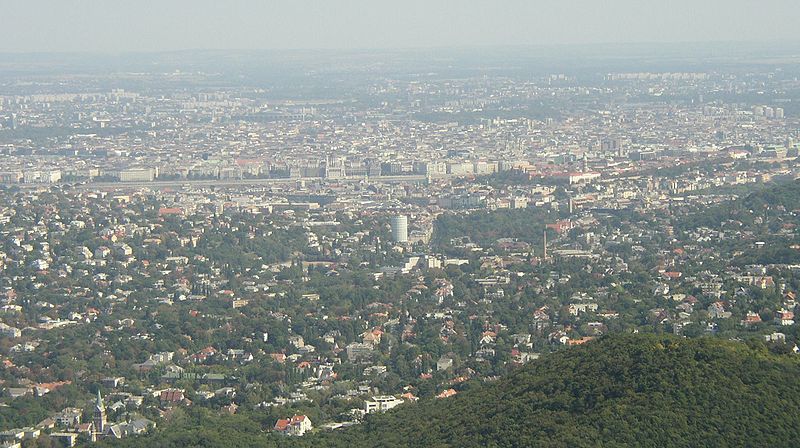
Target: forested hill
{"x": 767, "y": 215}
{"x": 773, "y": 201}
{"x": 618, "y": 391}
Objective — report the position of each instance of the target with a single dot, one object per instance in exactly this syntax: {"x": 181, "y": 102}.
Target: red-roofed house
{"x": 295, "y": 426}
{"x": 203, "y": 355}
{"x": 447, "y": 393}
{"x": 561, "y": 226}
{"x": 173, "y": 396}
{"x": 784, "y": 317}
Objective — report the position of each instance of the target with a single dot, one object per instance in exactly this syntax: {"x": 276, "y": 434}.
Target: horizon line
{"x": 437, "y": 48}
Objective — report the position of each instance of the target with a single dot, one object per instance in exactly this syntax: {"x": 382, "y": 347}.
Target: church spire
{"x": 99, "y": 416}
{"x": 99, "y": 402}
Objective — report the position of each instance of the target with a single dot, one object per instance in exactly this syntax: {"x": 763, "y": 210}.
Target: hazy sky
{"x": 147, "y": 25}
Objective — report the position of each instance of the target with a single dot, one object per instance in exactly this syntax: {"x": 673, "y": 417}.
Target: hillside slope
{"x": 619, "y": 391}
{"x": 767, "y": 203}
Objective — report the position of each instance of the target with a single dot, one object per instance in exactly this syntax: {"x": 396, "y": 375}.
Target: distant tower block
{"x": 544, "y": 245}
{"x": 399, "y": 229}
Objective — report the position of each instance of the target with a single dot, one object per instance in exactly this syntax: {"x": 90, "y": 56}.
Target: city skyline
{"x": 259, "y": 224}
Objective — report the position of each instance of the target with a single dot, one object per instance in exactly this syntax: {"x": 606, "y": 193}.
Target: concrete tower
{"x": 544, "y": 245}
{"x": 399, "y": 229}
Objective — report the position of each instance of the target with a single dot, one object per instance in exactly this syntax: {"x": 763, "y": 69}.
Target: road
{"x": 160, "y": 184}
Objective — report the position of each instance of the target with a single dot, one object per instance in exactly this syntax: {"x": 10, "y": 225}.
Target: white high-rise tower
{"x": 399, "y": 229}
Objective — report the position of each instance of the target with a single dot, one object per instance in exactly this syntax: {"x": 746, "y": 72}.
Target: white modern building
{"x": 138, "y": 175}
{"x": 381, "y": 403}
{"x": 399, "y": 229}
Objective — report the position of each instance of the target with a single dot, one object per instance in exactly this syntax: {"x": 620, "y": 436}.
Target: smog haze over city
{"x": 399, "y": 224}
{"x": 151, "y": 25}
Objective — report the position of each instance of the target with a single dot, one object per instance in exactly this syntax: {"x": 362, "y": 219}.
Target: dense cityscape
{"x": 294, "y": 254}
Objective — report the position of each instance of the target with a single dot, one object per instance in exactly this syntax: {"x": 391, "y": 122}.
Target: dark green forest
{"x": 621, "y": 390}
{"x": 486, "y": 227}
{"x": 767, "y": 204}
{"x": 767, "y": 215}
